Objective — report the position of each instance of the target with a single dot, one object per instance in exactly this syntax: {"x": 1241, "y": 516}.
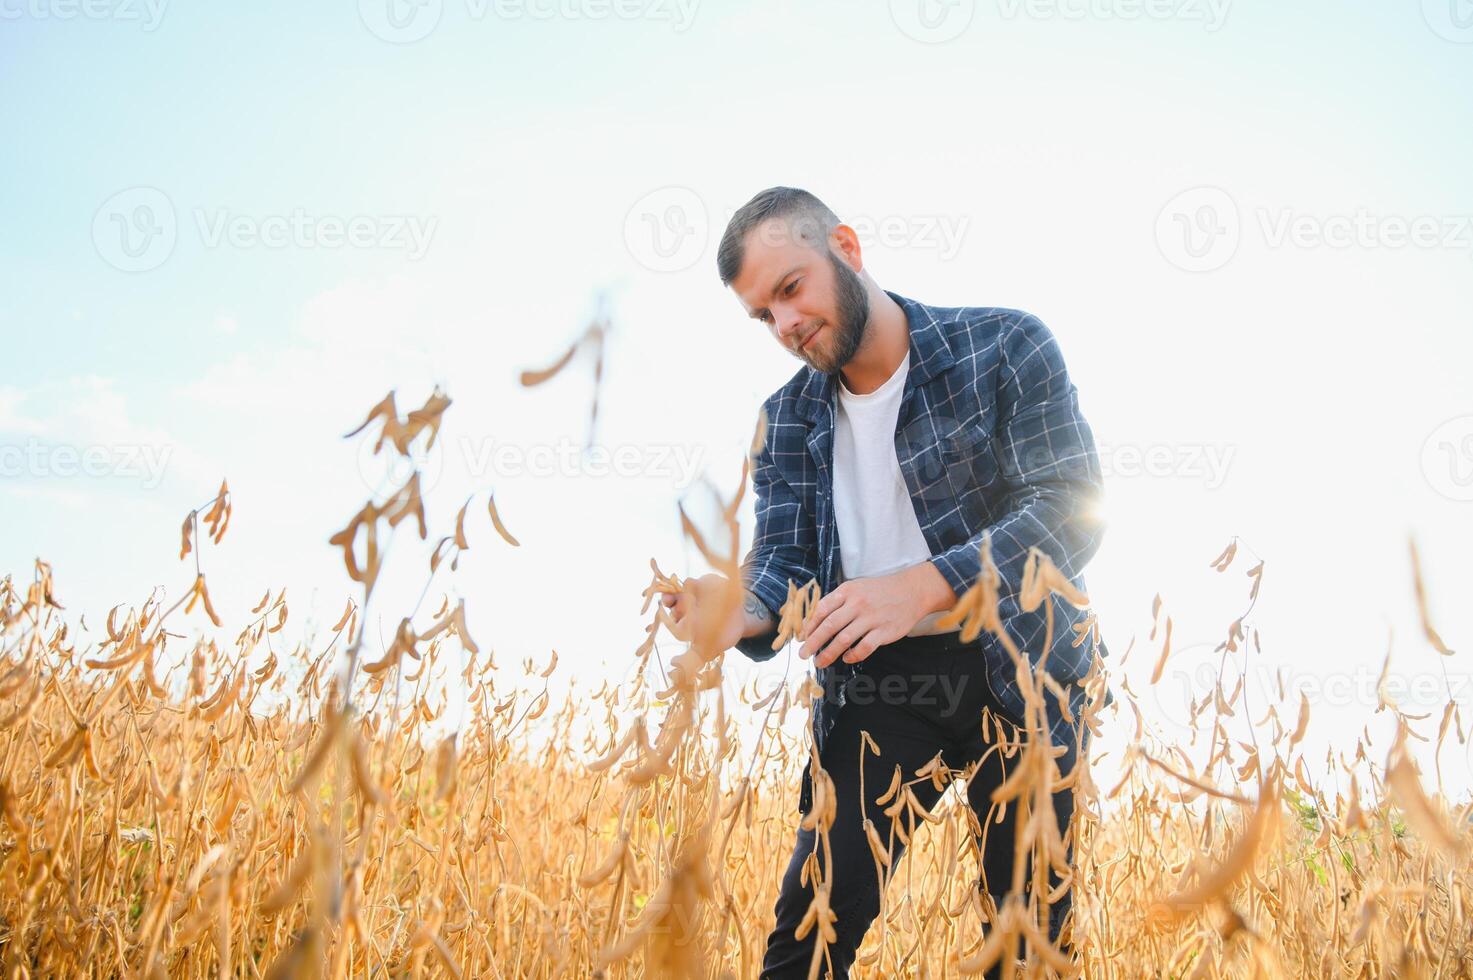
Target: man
{"x": 910, "y": 433}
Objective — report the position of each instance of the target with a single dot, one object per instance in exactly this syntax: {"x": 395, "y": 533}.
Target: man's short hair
{"x": 808, "y": 220}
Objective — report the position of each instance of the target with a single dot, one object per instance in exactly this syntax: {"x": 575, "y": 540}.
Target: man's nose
{"x": 790, "y": 325}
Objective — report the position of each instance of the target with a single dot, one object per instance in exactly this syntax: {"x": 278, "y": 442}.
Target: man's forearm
{"x": 757, "y": 619}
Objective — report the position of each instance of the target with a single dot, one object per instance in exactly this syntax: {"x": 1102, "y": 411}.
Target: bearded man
{"x": 910, "y": 433}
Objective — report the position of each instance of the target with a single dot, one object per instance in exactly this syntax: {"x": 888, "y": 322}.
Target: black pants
{"x": 916, "y": 697}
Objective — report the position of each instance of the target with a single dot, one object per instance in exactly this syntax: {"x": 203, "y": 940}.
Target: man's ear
{"x": 845, "y": 241}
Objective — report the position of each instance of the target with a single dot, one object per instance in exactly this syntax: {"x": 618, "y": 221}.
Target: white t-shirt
{"x": 878, "y": 530}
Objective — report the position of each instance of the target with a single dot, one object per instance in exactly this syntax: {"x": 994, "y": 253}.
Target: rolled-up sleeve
{"x": 784, "y": 544}
{"x": 1050, "y": 469}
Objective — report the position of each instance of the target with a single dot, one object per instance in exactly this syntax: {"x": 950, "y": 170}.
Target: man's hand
{"x": 702, "y": 598}
{"x": 864, "y": 614}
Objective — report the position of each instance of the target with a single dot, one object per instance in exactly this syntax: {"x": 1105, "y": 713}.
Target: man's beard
{"x": 851, "y": 304}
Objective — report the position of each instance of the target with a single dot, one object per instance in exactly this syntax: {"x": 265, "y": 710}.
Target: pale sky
{"x": 229, "y": 231}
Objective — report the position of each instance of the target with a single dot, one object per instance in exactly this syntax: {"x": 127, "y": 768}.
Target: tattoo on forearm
{"x": 755, "y": 608}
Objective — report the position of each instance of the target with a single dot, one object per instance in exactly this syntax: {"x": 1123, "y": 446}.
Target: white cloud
{"x": 12, "y": 421}
{"x": 71, "y": 431}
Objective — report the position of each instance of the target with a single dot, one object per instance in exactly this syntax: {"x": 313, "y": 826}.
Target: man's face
{"x": 812, "y": 301}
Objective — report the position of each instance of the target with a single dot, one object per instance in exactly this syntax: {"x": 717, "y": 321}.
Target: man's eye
{"x": 792, "y": 286}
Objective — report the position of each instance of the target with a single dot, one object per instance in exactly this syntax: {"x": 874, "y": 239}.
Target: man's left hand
{"x": 864, "y": 614}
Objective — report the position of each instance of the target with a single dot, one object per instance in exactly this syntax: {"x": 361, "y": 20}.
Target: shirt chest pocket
{"x": 949, "y": 459}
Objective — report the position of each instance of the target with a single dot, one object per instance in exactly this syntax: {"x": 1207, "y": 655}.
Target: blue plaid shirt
{"x": 989, "y": 438}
